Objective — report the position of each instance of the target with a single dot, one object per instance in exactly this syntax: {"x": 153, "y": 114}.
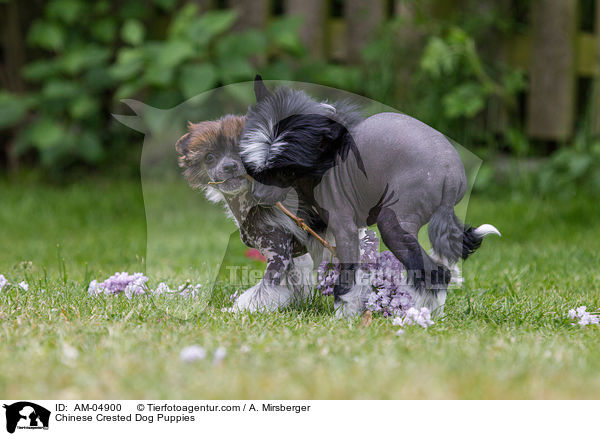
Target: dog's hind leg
{"x": 430, "y": 280}
{"x": 450, "y": 239}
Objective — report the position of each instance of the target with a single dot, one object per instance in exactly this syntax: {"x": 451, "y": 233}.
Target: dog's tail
{"x": 451, "y": 239}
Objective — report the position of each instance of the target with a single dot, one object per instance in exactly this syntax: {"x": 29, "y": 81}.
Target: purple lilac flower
{"x": 583, "y": 317}
{"x": 118, "y": 282}
{"x": 93, "y": 288}
{"x": 390, "y": 294}
{"x": 136, "y": 284}
{"x": 413, "y": 317}
{"x": 588, "y": 318}
{"x": 161, "y": 289}
{"x": 189, "y": 291}
{"x": 137, "y": 287}
{"x": 3, "y": 281}
{"x": 327, "y": 275}
{"x": 23, "y": 285}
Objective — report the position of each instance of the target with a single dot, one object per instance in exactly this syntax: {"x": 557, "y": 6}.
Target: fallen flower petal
{"x": 132, "y": 285}
{"x": 220, "y": 354}
{"x": 161, "y": 289}
{"x": 583, "y": 317}
{"x": 93, "y": 288}
{"x": 192, "y": 353}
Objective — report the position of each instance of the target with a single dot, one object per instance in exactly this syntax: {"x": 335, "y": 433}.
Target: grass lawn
{"x": 505, "y": 334}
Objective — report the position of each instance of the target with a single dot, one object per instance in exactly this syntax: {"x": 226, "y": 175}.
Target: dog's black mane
{"x": 290, "y": 137}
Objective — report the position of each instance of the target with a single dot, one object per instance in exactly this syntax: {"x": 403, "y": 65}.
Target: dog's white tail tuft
{"x": 486, "y": 229}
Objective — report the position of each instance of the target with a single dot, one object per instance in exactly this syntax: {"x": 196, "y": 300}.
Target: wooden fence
{"x": 556, "y": 51}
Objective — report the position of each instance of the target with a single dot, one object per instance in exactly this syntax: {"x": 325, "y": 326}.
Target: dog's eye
{"x": 209, "y": 158}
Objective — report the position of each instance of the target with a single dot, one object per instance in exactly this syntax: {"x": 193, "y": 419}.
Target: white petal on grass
{"x": 220, "y": 354}
{"x": 93, "y": 288}
{"x": 398, "y": 321}
{"x": 413, "y": 317}
{"x": 161, "y": 289}
{"x": 583, "y": 317}
{"x": 192, "y": 353}
{"x": 69, "y": 353}
{"x": 3, "y": 281}
{"x": 23, "y": 285}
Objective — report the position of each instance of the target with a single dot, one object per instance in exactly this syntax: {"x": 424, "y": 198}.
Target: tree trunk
{"x": 312, "y": 32}
{"x": 252, "y": 14}
{"x": 13, "y": 48}
{"x": 362, "y": 19}
{"x": 596, "y": 92}
{"x": 552, "y": 70}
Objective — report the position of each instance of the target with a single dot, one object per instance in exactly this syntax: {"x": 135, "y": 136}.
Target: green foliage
{"x": 66, "y": 116}
{"x": 93, "y": 55}
{"x": 572, "y": 169}
{"x": 455, "y": 55}
{"x": 438, "y": 75}
{"x": 88, "y": 56}
{"x": 12, "y": 109}
{"x": 133, "y": 32}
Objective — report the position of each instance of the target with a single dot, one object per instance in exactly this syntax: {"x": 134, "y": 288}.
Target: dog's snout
{"x": 230, "y": 167}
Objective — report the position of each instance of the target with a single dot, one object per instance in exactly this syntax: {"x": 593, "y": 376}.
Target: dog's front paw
{"x": 353, "y": 302}
{"x": 432, "y": 299}
{"x": 344, "y": 309}
{"x": 299, "y": 278}
{"x": 263, "y": 298}
{"x": 435, "y": 277}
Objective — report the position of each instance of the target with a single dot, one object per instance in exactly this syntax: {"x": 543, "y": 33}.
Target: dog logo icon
{"x": 26, "y": 415}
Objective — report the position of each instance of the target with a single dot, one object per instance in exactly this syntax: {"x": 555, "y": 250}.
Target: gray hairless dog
{"x": 389, "y": 169}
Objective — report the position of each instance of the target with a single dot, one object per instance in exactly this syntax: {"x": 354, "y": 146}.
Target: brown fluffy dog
{"x": 210, "y": 157}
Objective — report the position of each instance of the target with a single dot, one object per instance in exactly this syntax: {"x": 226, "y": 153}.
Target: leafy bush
{"x": 87, "y": 56}
{"x": 571, "y": 169}
{"x": 94, "y": 54}
{"x": 432, "y": 69}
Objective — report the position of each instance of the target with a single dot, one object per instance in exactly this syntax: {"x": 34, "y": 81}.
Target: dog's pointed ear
{"x": 198, "y": 133}
{"x": 182, "y": 144}
{"x": 260, "y": 90}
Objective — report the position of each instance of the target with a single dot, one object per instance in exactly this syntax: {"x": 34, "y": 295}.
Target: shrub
{"x": 91, "y": 55}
